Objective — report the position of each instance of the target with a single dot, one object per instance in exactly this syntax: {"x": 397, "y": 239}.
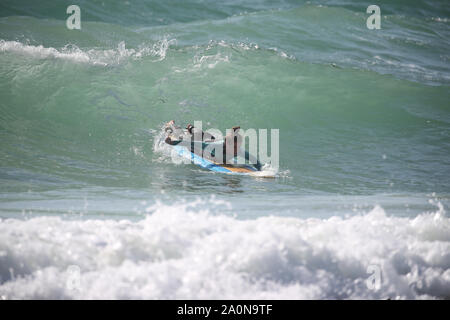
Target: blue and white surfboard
{"x": 184, "y": 152}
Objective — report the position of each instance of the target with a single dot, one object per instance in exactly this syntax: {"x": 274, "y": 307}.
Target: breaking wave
{"x": 183, "y": 251}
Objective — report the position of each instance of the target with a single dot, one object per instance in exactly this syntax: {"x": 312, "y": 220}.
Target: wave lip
{"x": 90, "y": 56}
{"x": 186, "y": 251}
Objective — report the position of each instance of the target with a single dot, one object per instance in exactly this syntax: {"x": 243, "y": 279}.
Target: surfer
{"x": 175, "y": 135}
{"x": 231, "y": 144}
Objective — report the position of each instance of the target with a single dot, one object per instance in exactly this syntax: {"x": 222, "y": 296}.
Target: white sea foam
{"x": 268, "y": 171}
{"x": 183, "y": 251}
{"x": 91, "y": 56}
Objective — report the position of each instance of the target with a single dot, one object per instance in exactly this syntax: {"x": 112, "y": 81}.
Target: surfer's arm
{"x": 174, "y": 133}
{"x": 207, "y": 137}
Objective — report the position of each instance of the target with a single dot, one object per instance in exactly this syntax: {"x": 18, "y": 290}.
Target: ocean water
{"x": 91, "y": 207}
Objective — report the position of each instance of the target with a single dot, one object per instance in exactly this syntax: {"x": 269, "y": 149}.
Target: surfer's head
{"x": 233, "y": 141}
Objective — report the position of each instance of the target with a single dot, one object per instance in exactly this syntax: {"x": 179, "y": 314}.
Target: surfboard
{"x": 184, "y": 152}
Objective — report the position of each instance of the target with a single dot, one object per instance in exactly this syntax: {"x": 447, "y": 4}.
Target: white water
{"x": 91, "y": 56}
{"x": 182, "y": 251}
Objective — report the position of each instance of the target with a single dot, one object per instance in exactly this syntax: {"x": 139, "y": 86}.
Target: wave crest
{"x": 71, "y": 52}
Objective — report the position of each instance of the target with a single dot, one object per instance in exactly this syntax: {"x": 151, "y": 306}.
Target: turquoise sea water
{"x": 364, "y": 174}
